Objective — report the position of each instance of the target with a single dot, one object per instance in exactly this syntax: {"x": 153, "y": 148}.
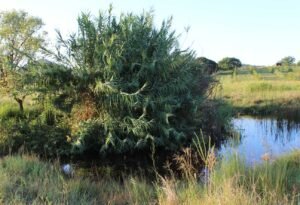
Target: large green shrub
{"x": 33, "y": 130}
{"x": 139, "y": 87}
{"x": 42, "y": 139}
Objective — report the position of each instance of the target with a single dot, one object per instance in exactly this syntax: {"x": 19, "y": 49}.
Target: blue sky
{"x": 258, "y": 32}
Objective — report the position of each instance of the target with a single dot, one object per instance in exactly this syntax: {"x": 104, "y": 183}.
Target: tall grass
{"x": 232, "y": 182}
{"x": 26, "y": 180}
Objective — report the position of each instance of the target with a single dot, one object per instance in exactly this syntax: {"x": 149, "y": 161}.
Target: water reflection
{"x": 259, "y": 136}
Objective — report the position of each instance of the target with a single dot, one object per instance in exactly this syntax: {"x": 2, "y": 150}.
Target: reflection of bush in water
{"x": 282, "y": 129}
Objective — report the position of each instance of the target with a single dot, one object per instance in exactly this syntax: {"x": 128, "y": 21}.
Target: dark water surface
{"x": 260, "y": 137}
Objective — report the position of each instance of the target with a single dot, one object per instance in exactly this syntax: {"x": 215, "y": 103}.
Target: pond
{"x": 256, "y": 137}
{"x": 262, "y": 137}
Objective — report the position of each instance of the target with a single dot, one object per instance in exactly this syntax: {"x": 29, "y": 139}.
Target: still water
{"x": 258, "y": 137}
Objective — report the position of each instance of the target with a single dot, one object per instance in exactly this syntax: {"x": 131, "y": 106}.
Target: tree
{"x": 208, "y": 66}
{"x": 142, "y": 89}
{"x": 229, "y": 63}
{"x": 20, "y": 41}
{"x": 287, "y": 61}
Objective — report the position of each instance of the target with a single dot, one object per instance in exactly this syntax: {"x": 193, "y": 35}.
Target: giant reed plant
{"x": 142, "y": 88}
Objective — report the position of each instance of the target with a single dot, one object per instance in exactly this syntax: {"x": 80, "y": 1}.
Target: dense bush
{"x": 88, "y": 138}
{"x": 209, "y": 66}
{"x": 119, "y": 85}
{"x": 33, "y": 131}
{"x": 132, "y": 82}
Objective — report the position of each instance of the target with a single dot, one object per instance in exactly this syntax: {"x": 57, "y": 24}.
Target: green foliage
{"x": 89, "y": 138}
{"x": 207, "y": 65}
{"x": 290, "y": 69}
{"x": 142, "y": 87}
{"x": 27, "y": 180}
{"x": 34, "y": 130}
{"x": 263, "y": 86}
{"x": 229, "y": 63}
{"x": 20, "y": 42}
{"x": 8, "y": 111}
{"x": 217, "y": 114}
{"x": 20, "y": 38}
{"x": 278, "y": 177}
{"x": 49, "y": 116}
{"x": 263, "y": 91}
{"x": 41, "y": 139}
{"x": 118, "y": 85}
{"x": 273, "y": 69}
{"x": 287, "y": 61}
{"x": 44, "y": 140}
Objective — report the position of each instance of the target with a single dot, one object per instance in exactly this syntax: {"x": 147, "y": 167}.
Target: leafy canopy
{"x": 287, "y": 61}
{"x": 20, "y": 37}
{"x": 229, "y": 63}
{"x": 20, "y": 41}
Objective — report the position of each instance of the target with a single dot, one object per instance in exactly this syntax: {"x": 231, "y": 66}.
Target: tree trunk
{"x": 20, "y": 102}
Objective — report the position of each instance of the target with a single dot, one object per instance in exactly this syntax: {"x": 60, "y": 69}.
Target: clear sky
{"x": 257, "y": 32}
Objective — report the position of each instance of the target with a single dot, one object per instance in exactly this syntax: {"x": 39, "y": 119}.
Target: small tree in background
{"x": 287, "y": 61}
{"x": 20, "y": 41}
{"x": 229, "y": 63}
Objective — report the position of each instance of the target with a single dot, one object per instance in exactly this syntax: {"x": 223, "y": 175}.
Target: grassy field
{"x": 263, "y": 91}
{"x": 26, "y": 180}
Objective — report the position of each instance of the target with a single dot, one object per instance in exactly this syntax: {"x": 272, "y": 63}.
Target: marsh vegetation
{"x": 139, "y": 119}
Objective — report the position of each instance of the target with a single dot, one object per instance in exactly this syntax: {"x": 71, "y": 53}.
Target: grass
{"x": 262, "y": 91}
{"x": 9, "y": 108}
{"x": 27, "y": 180}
